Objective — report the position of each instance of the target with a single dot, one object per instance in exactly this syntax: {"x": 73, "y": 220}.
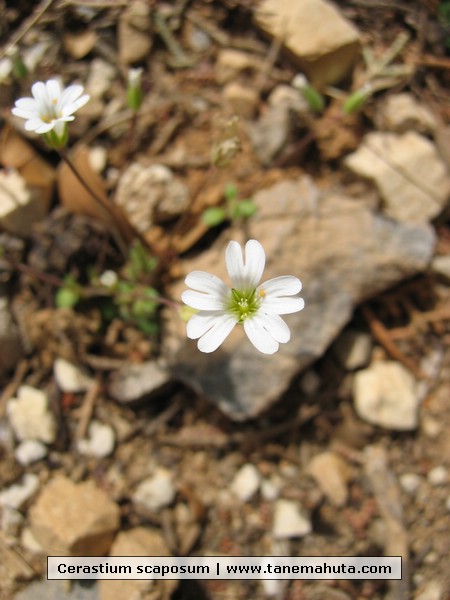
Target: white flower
{"x": 51, "y": 107}
{"x": 135, "y": 77}
{"x": 255, "y": 306}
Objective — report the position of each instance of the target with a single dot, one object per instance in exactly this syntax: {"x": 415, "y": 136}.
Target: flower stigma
{"x": 243, "y": 304}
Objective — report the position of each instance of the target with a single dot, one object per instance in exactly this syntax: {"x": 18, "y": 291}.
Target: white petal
{"x": 212, "y": 339}
{"x": 235, "y": 263}
{"x": 28, "y": 104}
{"x": 34, "y": 124}
{"x": 206, "y": 282}
{"x": 43, "y": 128}
{"x": 200, "y": 323}
{"x": 53, "y": 91}
{"x": 275, "y": 326}
{"x": 39, "y": 91}
{"x": 286, "y": 285}
{"x": 260, "y": 337}
{"x": 70, "y": 94}
{"x": 255, "y": 261}
{"x": 24, "y": 114}
{"x": 60, "y": 126}
{"x": 282, "y": 306}
{"x": 68, "y": 109}
{"x": 203, "y": 301}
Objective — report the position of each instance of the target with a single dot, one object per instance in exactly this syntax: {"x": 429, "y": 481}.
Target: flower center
{"x": 244, "y": 304}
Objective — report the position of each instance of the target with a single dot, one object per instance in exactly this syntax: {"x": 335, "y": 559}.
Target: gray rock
{"x": 273, "y": 130}
{"x": 290, "y": 520}
{"x": 322, "y": 42}
{"x": 408, "y": 172}
{"x": 10, "y": 344}
{"x": 342, "y": 252}
{"x": 135, "y": 383}
{"x": 385, "y": 395}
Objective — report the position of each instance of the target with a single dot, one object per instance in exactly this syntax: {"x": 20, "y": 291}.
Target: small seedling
{"x": 235, "y": 209}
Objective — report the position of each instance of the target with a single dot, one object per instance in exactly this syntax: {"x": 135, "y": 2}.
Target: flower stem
{"x": 104, "y": 204}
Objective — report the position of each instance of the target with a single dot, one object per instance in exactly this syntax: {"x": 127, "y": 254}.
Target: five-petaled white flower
{"x": 50, "y": 108}
{"x": 255, "y": 306}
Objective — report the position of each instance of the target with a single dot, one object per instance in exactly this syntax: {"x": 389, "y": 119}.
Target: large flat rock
{"x": 322, "y": 42}
{"x": 342, "y": 252}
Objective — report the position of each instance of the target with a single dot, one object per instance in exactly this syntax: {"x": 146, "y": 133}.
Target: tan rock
{"x": 385, "y": 395}
{"x": 140, "y": 541}
{"x": 134, "y": 33}
{"x": 408, "y": 173}
{"x": 403, "y": 112}
{"x": 30, "y": 415}
{"x": 231, "y": 62}
{"x": 20, "y": 207}
{"x": 74, "y": 519}
{"x": 323, "y": 43}
{"x": 242, "y": 99}
{"x": 331, "y": 474}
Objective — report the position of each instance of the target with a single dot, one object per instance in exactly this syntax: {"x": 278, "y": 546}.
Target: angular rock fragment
{"x": 317, "y": 36}
{"x": 74, "y": 519}
{"x": 342, "y": 252}
{"x": 408, "y": 172}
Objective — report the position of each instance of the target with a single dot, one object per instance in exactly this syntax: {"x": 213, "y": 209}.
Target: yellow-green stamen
{"x": 244, "y": 304}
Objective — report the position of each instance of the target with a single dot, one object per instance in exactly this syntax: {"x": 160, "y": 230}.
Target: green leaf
{"x": 214, "y": 216}
{"x": 230, "y": 191}
{"x": 314, "y": 98}
{"x": 355, "y": 101}
{"x": 66, "y": 297}
{"x": 244, "y": 209}
{"x": 147, "y": 327}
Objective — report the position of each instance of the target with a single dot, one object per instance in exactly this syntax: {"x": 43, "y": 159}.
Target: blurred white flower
{"x": 135, "y": 76}
{"x": 255, "y": 306}
{"x": 108, "y": 278}
{"x": 134, "y": 90}
{"x": 50, "y": 107}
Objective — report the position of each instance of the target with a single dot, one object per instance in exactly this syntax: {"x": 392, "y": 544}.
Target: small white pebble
{"x": 409, "y": 482}
{"x": 100, "y": 442}
{"x": 30, "y": 451}
{"x": 438, "y": 475}
{"x": 270, "y": 489}
{"x": 156, "y": 491}
{"x": 246, "y": 482}
{"x": 18, "y": 494}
